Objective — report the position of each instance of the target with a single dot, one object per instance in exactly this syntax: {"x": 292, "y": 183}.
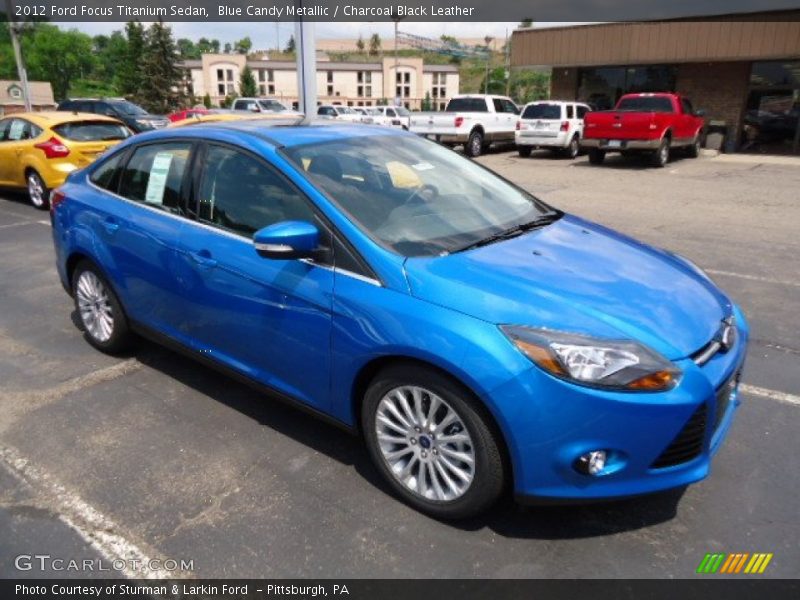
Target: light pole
{"x": 21, "y": 72}
{"x": 488, "y": 40}
{"x": 396, "y": 18}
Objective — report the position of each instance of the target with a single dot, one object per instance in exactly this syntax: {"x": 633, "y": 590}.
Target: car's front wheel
{"x": 38, "y": 193}
{"x": 432, "y": 442}
{"x": 99, "y": 310}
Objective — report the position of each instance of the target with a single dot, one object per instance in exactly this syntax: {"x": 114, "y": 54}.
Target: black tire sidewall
{"x": 120, "y": 337}
{"x": 524, "y": 151}
{"x": 470, "y": 146}
{"x": 490, "y": 471}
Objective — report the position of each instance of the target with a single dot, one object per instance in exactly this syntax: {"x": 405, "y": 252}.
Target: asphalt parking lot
{"x": 153, "y": 455}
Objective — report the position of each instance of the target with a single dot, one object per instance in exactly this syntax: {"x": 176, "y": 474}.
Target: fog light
{"x": 591, "y": 463}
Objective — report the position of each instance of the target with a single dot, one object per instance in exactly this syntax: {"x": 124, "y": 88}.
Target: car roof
{"x": 52, "y": 118}
{"x": 281, "y": 132}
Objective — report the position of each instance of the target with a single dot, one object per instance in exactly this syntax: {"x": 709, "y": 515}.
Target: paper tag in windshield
{"x": 158, "y": 178}
{"x": 423, "y": 166}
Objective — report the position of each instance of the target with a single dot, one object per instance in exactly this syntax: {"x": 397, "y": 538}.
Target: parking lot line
{"x": 99, "y": 531}
{"x": 771, "y": 394}
{"x": 753, "y": 277}
{"x": 9, "y": 225}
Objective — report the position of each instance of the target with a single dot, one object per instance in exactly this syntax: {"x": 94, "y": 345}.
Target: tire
{"x": 102, "y": 319}
{"x": 660, "y": 157}
{"x": 574, "y": 148}
{"x": 474, "y": 145}
{"x": 38, "y": 193}
{"x": 524, "y": 151}
{"x": 414, "y": 458}
{"x": 596, "y": 156}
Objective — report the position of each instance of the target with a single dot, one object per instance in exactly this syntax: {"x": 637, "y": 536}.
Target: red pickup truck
{"x": 652, "y": 123}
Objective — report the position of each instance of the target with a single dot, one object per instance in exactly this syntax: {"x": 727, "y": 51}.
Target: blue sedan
{"x": 475, "y": 337}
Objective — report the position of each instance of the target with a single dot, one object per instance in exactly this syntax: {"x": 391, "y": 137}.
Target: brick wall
{"x": 718, "y": 88}
{"x": 564, "y": 83}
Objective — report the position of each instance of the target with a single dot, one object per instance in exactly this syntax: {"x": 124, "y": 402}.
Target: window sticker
{"x": 158, "y": 178}
{"x": 16, "y": 129}
{"x": 423, "y": 166}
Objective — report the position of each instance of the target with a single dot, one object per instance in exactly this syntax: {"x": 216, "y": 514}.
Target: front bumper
{"x": 549, "y": 423}
{"x": 610, "y": 145}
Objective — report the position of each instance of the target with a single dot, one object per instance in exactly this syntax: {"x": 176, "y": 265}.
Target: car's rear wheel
{"x": 660, "y": 157}
{"x": 431, "y": 440}
{"x": 524, "y": 151}
{"x": 574, "y": 147}
{"x": 474, "y": 145}
{"x": 596, "y": 156}
{"x": 99, "y": 310}
{"x": 38, "y": 193}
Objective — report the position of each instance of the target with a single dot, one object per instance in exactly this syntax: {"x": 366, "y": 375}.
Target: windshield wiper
{"x": 513, "y": 232}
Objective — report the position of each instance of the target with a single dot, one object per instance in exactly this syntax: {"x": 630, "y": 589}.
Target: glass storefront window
{"x": 771, "y": 121}
{"x": 602, "y": 87}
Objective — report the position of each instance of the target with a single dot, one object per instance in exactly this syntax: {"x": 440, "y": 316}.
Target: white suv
{"x": 553, "y": 124}
{"x": 337, "y": 111}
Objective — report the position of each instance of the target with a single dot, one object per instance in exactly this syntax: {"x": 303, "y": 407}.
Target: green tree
{"x": 162, "y": 80}
{"x": 206, "y": 46}
{"x": 243, "y": 46}
{"x": 228, "y": 48}
{"x": 247, "y": 83}
{"x": 360, "y": 45}
{"x": 291, "y": 47}
{"x": 228, "y": 100}
{"x": 426, "y": 102}
{"x": 110, "y": 52}
{"x": 187, "y": 49}
{"x": 374, "y": 44}
{"x": 526, "y": 23}
{"x": 59, "y": 57}
{"x": 129, "y": 73}
{"x": 207, "y": 101}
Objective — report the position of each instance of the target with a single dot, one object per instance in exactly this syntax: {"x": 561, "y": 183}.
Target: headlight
{"x": 615, "y": 364}
{"x": 693, "y": 266}
{"x": 145, "y": 123}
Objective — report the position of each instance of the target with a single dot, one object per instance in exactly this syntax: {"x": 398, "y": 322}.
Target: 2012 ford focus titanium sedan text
{"x": 477, "y": 338}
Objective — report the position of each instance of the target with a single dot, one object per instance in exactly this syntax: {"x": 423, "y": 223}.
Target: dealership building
{"x": 742, "y": 69}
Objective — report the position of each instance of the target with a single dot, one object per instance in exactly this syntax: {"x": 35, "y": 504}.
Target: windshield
{"x": 92, "y": 131}
{"x": 646, "y": 104}
{"x": 415, "y": 197}
{"x": 542, "y": 111}
{"x": 272, "y": 105}
{"x": 129, "y": 108}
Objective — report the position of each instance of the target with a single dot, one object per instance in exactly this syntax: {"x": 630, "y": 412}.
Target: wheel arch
{"x": 370, "y": 370}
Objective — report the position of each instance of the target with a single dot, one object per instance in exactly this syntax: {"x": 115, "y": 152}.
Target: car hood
{"x": 577, "y": 276}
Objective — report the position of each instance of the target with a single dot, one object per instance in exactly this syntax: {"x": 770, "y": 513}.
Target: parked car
{"x": 393, "y": 116}
{"x": 473, "y": 335}
{"x": 38, "y": 150}
{"x": 262, "y": 106}
{"x": 551, "y": 124}
{"x": 337, "y": 111}
{"x": 649, "y": 123}
{"x": 134, "y": 116}
{"x": 189, "y": 113}
{"x": 474, "y": 120}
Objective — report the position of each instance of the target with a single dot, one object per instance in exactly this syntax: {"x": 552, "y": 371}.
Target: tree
{"x": 187, "y": 49}
{"x": 290, "y": 45}
{"x": 227, "y": 48}
{"x": 162, "y": 80}
{"x": 228, "y": 100}
{"x": 360, "y": 45}
{"x": 374, "y": 44}
{"x": 243, "y": 46}
{"x": 426, "y": 103}
{"x": 207, "y": 101}
{"x": 57, "y": 56}
{"x": 206, "y": 46}
{"x": 129, "y": 74}
{"x": 526, "y": 23}
{"x": 247, "y": 83}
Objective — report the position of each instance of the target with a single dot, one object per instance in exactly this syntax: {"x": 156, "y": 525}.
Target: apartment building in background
{"x": 345, "y": 83}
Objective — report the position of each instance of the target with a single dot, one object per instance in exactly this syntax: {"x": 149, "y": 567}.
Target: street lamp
{"x": 22, "y": 73}
{"x": 396, "y": 18}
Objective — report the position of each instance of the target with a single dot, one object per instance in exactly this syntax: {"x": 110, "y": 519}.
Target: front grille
{"x": 687, "y": 444}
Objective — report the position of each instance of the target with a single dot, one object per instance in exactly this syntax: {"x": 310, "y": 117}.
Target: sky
{"x": 263, "y": 34}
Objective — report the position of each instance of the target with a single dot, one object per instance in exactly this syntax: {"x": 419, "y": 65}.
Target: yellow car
{"x": 39, "y": 149}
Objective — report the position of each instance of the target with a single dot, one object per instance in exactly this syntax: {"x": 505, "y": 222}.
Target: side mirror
{"x": 287, "y": 240}
{"x": 700, "y": 113}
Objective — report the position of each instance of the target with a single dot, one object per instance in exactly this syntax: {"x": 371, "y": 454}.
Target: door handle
{"x": 203, "y": 258}
{"x": 111, "y": 226}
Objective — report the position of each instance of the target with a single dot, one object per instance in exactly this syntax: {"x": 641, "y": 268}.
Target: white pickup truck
{"x": 475, "y": 120}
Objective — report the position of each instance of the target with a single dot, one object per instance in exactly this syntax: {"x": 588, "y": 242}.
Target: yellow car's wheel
{"x": 37, "y": 191}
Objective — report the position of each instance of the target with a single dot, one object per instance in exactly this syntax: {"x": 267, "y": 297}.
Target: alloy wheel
{"x": 425, "y": 443}
{"x": 36, "y": 190}
{"x": 94, "y": 306}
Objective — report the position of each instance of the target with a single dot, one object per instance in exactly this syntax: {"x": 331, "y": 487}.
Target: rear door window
{"x": 155, "y": 175}
{"x": 570, "y": 111}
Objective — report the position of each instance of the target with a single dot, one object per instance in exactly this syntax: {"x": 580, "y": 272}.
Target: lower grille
{"x": 687, "y": 444}
{"x": 723, "y": 399}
